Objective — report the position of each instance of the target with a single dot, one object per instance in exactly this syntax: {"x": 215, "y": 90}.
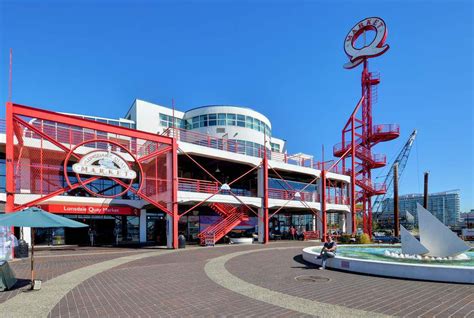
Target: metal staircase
{"x": 231, "y": 216}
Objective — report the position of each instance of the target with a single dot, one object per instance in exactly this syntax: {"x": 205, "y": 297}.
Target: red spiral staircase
{"x": 359, "y": 133}
{"x": 231, "y": 216}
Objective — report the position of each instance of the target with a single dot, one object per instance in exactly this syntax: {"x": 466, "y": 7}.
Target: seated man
{"x": 328, "y": 251}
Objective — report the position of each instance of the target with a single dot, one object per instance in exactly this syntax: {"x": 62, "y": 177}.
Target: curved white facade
{"x": 231, "y": 122}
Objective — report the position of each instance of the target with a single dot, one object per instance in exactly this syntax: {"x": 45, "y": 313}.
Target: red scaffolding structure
{"x": 359, "y": 134}
{"x": 43, "y": 146}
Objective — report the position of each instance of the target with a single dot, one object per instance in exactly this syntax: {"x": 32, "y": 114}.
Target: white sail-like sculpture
{"x": 410, "y": 245}
{"x": 436, "y": 237}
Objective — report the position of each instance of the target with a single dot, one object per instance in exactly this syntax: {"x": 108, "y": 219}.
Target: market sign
{"x": 104, "y": 164}
{"x": 90, "y": 209}
{"x": 375, "y": 48}
{"x": 121, "y": 167}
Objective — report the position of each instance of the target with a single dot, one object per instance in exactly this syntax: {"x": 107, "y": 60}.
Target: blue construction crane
{"x": 401, "y": 160}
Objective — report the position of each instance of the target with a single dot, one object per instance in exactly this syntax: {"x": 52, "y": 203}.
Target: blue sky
{"x": 282, "y": 58}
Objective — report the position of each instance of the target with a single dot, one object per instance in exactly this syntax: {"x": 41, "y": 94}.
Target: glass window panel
{"x": 163, "y": 117}
{"x": 212, "y": 116}
{"x": 195, "y": 119}
{"x": 241, "y": 117}
{"x": 249, "y": 122}
{"x": 221, "y": 116}
{"x": 231, "y": 119}
{"x": 212, "y": 122}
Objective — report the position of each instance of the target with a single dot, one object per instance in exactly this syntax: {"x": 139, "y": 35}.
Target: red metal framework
{"x": 359, "y": 136}
{"x": 41, "y": 147}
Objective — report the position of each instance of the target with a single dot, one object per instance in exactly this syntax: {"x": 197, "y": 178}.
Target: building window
{"x": 220, "y": 119}
{"x": 212, "y": 119}
{"x": 231, "y": 119}
{"x": 167, "y": 121}
{"x": 275, "y": 147}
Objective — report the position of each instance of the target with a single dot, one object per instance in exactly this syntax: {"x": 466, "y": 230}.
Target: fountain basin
{"x": 352, "y": 258}
{"x": 241, "y": 240}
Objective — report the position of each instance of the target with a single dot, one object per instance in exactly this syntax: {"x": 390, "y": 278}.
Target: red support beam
{"x": 265, "y": 197}
{"x": 323, "y": 207}
{"x": 175, "y": 193}
{"x": 10, "y": 156}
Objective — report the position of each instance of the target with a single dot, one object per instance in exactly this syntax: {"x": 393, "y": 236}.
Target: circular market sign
{"x": 109, "y": 161}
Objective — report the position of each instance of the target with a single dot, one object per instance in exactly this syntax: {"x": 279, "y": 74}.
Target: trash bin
{"x": 21, "y": 251}
{"x": 181, "y": 241}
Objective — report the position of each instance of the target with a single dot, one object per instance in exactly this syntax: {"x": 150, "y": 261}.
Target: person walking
{"x": 328, "y": 251}
{"x": 91, "y": 235}
{"x": 292, "y": 233}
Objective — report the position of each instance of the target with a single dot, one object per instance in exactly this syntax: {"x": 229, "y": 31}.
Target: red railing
{"x": 386, "y": 129}
{"x": 337, "y": 199}
{"x": 193, "y": 185}
{"x": 328, "y": 164}
{"x": 371, "y": 186}
{"x": 290, "y": 194}
{"x": 361, "y": 152}
{"x": 205, "y": 186}
{"x": 71, "y": 136}
{"x": 231, "y": 145}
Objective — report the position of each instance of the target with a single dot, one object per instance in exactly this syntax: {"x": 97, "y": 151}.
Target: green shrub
{"x": 345, "y": 239}
{"x": 363, "y": 239}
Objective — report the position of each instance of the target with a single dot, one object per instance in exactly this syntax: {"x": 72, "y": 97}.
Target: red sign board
{"x": 90, "y": 209}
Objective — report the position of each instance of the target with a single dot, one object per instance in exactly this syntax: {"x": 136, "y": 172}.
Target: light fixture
{"x": 217, "y": 169}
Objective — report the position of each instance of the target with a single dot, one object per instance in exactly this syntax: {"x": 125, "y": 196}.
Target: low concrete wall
{"x": 241, "y": 240}
{"x": 451, "y": 274}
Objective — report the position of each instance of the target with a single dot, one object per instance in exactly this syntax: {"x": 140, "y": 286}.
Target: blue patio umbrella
{"x": 35, "y": 217}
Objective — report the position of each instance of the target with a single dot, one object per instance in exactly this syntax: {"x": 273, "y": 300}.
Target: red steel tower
{"x": 360, "y": 135}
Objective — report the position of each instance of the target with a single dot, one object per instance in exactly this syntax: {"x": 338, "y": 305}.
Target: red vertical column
{"x": 265, "y": 197}
{"x": 175, "y": 192}
{"x": 10, "y": 182}
{"x": 353, "y": 178}
{"x": 10, "y": 156}
{"x": 324, "y": 222}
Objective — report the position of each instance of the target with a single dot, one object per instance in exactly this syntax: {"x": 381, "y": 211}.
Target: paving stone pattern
{"x": 52, "y": 263}
{"x": 277, "y": 270}
{"x": 176, "y": 285}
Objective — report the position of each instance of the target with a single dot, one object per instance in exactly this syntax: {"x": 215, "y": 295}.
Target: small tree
{"x": 363, "y": 239}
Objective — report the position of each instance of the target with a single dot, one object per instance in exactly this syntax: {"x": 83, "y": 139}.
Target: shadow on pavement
{"x": 307, "y": 265}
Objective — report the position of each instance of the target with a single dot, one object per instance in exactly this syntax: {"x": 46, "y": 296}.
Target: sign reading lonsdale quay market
{"x": 104, "y": 164}
{"x": 375, "y": 48}
{"x": 89, "y": 209}
{"x": 120, "y": 167}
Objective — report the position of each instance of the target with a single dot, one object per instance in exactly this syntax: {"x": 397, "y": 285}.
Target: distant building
{"x": 385, "y": 220}
{"x": 444, "y": 205}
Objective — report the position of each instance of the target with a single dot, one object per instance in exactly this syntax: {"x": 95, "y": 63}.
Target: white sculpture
{"x": 436, "y": 239}
{"x": 410, "y": 245}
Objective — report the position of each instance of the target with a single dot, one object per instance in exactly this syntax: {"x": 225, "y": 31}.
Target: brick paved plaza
{"x": 240, "y": 281}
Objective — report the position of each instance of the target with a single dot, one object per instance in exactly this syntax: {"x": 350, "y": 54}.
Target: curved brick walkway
{"x": 175, "y": 284}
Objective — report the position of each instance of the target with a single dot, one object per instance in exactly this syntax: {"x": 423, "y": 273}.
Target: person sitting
{"x": 328, "y": 251}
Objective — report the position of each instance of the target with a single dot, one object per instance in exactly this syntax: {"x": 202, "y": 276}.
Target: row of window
{"x": 221, "y": 119}
{"x": 167, "y": 121}
{"x": 114, "y": 122}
